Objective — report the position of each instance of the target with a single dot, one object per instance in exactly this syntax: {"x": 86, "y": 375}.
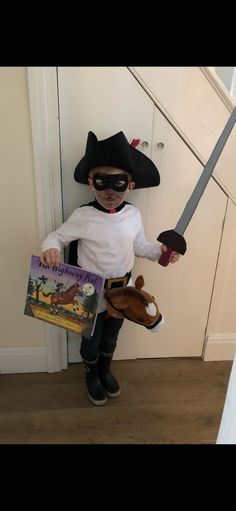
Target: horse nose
{"x": 157, "y": 326}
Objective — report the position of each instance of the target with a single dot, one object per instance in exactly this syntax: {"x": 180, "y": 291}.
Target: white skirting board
{"x": 33, "y": 360}
{"x": 220, "y": 347}
{"x": 23, "y": 360}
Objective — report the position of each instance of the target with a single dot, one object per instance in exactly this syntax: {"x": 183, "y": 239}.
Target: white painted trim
{"x": 217, "y": 84}
{"x": 233, "y": 84}
{"x": 23, "y": 360}
{"x": 43, "y": 99}
{"x": 220, "y": 347}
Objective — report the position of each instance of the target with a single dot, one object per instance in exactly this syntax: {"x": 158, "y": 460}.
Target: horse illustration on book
{"x": 64, "y": 297}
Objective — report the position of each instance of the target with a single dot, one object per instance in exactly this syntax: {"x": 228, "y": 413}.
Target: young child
{"x": 110, "y": 234}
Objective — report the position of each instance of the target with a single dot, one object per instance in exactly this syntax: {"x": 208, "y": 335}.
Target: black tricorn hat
{"x": 116, "y": 152}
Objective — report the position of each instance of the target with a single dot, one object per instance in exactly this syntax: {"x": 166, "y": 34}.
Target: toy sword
{"x": 174, "y": 239}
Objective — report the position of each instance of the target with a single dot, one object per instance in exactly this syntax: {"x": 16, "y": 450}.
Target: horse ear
{"x": 139, "y": 282}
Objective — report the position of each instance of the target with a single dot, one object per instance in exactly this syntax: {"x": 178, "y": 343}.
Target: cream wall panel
{"x": 183, "y": 291}
{"x": 190, "y": 100}
{"x": 18, "y": 221}
{"x": 222, "y": 319}
{"x": 225, "y": 170}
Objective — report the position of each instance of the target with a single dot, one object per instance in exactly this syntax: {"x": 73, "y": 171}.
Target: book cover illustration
{"x": 64, "y": 295}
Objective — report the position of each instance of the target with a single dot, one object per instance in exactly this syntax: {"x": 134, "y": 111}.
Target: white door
{"x": 107, "y": 100}
{"x": 104, "y": 100}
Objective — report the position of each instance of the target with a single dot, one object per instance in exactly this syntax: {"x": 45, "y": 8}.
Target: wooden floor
{"x": 162, "y": 401}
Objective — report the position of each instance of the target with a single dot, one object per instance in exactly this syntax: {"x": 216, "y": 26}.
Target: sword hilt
{"x": 174, "y": 242}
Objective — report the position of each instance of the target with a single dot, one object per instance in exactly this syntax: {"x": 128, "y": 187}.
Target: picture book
{"x": 64, "y": 295}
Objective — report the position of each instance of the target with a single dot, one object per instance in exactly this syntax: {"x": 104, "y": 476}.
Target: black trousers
{"x": 104, "y": 337}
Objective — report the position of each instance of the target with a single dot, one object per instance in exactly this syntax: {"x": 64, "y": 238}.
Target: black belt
{"x": 117, "y": 282}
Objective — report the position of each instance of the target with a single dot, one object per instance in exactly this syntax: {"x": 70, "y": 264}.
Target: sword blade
{"x": 205, "y": 176}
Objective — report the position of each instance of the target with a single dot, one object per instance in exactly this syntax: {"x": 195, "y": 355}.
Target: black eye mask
{"x": 117, "y": 182}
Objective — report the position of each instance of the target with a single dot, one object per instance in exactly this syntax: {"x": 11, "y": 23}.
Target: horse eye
{"x": 151, "y": 309}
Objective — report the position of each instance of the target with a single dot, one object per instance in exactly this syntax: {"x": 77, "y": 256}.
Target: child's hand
{"x": 51, "y": 257}
{"x": 174, "y": 255}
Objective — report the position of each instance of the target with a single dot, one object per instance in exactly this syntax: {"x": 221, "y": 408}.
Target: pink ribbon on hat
{"x": 135, "y": 142}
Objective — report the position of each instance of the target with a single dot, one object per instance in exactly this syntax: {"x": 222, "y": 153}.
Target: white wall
{"x": 227, "y": 431}
{"x": 226, "y": 75}
{"x": 18, "y": 220}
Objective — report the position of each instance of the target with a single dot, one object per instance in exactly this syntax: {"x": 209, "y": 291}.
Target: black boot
{"x": 96, "y": 392}
{"x": 109, "y": 383}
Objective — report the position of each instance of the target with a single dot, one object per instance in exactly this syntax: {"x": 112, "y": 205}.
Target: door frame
{"x": 43, "y": 101}
{"x": 45, "y": 126}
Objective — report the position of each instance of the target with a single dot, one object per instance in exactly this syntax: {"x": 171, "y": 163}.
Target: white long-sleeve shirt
{"x": 107, "y": 242}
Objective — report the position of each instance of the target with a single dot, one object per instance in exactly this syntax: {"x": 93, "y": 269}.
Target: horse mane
{"x": 128, "y": 291}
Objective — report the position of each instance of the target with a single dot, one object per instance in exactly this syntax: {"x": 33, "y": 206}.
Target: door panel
{"x": 104, "y": 100}
{"x": 190, "y": 100}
